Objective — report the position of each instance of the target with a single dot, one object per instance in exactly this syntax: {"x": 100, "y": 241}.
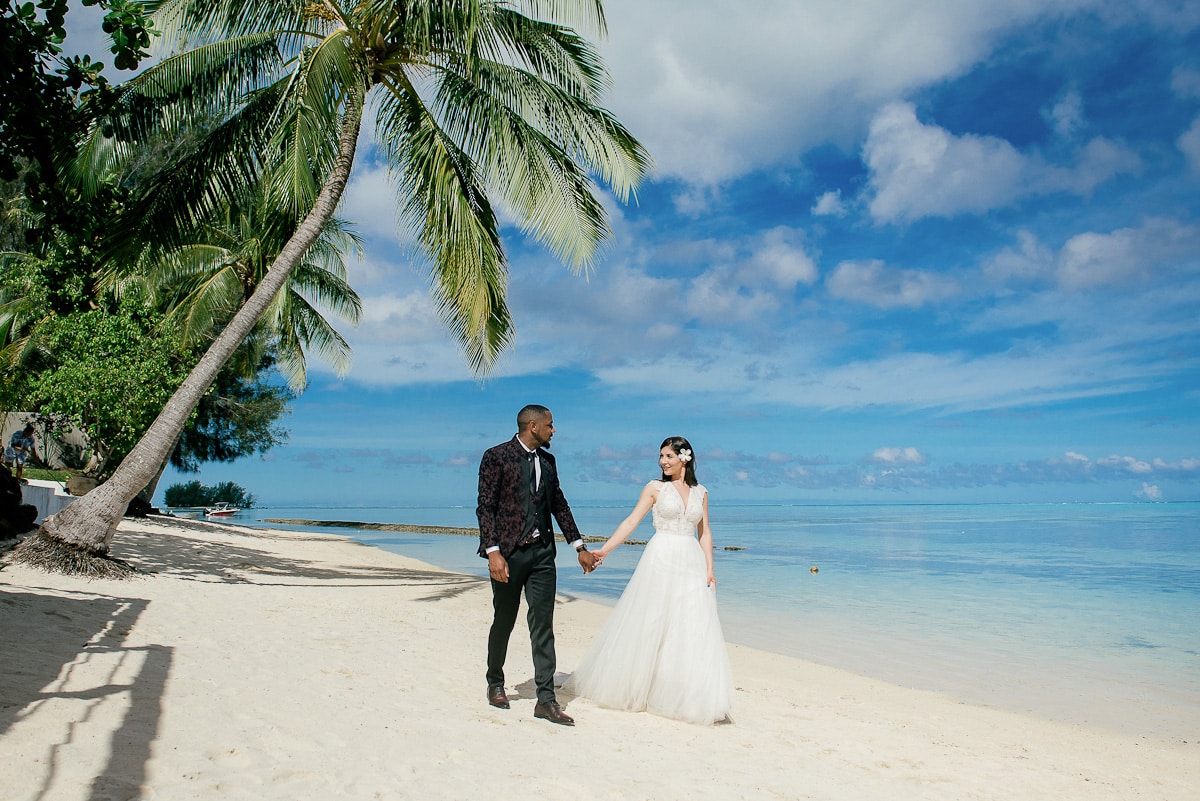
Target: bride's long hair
{"x": 679, "y": 444}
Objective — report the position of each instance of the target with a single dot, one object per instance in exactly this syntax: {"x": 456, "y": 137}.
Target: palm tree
{"x": 200, "y": 285}
{"x": 469, "y": 97}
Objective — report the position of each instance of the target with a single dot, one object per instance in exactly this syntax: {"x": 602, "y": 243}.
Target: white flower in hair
{"x": 685, "y": 455}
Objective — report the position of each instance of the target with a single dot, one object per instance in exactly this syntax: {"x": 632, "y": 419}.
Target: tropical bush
{"x": 193, "y": 493}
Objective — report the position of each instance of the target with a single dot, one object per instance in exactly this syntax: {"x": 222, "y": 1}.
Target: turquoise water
{"x": 1086, "y": 613}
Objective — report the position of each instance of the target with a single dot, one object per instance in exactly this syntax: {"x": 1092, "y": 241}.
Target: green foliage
{"x": 193, "y": 493}
{"x": 201, "y": 284}
{"x": 475, "y": 101}
{"x": 41, "y": 474}
{"x": 110, "y": 374}
{"x": 44, "y": 102}
{"x": 237, "y": 418}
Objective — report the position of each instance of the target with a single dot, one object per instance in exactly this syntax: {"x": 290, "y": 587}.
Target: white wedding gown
{"x": 662, "y": 649}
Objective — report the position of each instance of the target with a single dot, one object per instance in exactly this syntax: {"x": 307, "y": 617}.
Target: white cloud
{"x": 1189, "y": 145}
{"x": 1029, "y": 261}
{"x": 717, "y": 297}
{"x": 1150, "y": 492}
{"x": 370, "y": 200}
{"x": 898, "y": 456}
{"x": 781, "y": 259}
{"x": 829, "y": 205}
{"x": 1066, "y": 116}
{"x": 919, "y": 170}
{"x": 1126, "y": 255}
{"x": 694, "y": 200}
{"x": 401, "y": 340}
{"x": 874, "y": 283}
{"x": 716, "y": 90}
{"x": 1180, "y": 466}
{"x": 1127, "y": 464}
{"x": 797, "y": 375}
{"x": 1100, "y": 160}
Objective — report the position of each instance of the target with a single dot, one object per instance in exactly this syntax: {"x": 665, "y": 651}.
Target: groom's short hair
{"x": 530, "y": 413}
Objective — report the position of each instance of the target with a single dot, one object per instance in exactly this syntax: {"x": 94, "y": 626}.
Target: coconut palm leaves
{"x": 470, "y": 99}
{"x": 201, "y": 284}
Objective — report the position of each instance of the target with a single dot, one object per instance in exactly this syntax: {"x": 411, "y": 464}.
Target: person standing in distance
{"x": 519, "y": 493}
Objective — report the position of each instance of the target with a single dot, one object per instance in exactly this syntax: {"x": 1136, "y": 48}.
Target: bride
{"x": 662, "y": 649}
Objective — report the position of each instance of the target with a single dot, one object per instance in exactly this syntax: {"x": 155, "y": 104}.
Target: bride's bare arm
{"x": 645, "y": 501}
{"x": 706, "y": 542}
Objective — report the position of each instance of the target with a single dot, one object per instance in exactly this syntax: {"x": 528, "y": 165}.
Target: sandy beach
{"x": 264, "y": 664}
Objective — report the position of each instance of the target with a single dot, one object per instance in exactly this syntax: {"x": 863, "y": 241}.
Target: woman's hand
{"x": 712, "y": 582}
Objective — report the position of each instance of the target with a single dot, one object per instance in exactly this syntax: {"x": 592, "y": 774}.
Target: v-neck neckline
{"x": 686, "y": 500}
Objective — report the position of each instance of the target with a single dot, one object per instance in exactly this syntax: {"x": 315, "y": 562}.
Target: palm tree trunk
{"x": 146, "y": 493}
{"x": 88, "y": 524}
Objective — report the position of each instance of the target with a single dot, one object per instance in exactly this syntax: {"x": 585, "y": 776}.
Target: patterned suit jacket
{"x": 501, "y": 509}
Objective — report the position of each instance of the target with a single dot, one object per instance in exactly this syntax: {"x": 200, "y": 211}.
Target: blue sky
{"x": 894, "y": 251}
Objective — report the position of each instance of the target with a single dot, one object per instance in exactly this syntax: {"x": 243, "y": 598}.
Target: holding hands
{"x": 588, "y": 560}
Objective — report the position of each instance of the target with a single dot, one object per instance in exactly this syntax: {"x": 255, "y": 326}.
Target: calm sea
{"x": 1086, "y": 613}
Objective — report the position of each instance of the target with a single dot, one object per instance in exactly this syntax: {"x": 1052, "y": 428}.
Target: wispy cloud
{"x": 874, "y": 283}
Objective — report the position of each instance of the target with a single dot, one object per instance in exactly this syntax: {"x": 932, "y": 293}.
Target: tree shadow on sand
{"x": 78, "y": 681}
{"x": 228, "y": 555}
{"x": 78, "y": 676}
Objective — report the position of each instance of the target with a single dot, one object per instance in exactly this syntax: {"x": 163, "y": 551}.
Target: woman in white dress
{"x": 662, "y": 649}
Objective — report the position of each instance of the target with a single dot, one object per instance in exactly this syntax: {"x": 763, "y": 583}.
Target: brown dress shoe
{"x": 551, "y": 711}
{"x": 497, "y": 698}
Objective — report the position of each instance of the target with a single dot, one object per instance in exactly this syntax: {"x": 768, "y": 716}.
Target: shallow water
{"x": 1087, "y": 613}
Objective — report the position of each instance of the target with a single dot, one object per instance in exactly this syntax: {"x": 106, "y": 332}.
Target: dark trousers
{"x": 530, "y": 569}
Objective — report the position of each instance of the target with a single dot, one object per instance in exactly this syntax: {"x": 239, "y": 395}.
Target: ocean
{"x": 1082, "y": 613}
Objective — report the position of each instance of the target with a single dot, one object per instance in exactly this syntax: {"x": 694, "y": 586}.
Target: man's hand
{"x": 498, "y": 567}
{"x": 587, "y": 560}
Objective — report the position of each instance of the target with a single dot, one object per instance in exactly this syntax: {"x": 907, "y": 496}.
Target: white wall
{"x": 47, "y": 496}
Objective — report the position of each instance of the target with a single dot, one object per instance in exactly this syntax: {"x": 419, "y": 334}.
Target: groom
{"x": 518, "y": 493}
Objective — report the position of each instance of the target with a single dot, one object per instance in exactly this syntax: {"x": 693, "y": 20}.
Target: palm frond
{"x": 534, "y": 143}
{"x": 583, "y": 15}
{"x": 223, "y": 164}
{"x": 169, "y": 100}
{"x": 442, "y": 198}
{"x": 554, "y": 53}
{"x": 185, "y": 24}
{"x": 312, "y": 101}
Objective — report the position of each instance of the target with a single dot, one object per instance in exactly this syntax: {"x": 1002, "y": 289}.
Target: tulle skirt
{"x": 662, "y": 649}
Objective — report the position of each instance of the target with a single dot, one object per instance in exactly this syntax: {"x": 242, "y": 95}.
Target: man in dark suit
{"x": 518, "y": 495}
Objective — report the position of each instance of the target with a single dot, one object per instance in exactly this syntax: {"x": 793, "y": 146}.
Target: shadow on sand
{"x": 78, "y": 677}
{"x": 228, "y": 561}
{"x": 78, "y": 669}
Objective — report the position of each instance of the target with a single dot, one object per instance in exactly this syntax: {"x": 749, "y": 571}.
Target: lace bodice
{"x": 672, "y": 516}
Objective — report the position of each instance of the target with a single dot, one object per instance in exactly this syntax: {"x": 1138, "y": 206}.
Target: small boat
{"x": 222, "y": 509}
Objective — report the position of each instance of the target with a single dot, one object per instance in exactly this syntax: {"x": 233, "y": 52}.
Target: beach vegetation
{"x": 240, "y": 416}
{"x": 47, "y": 98}
{"x": 108, "y": 373}
{"x": 193, "y": 494}
{"x": 200, "y": 282}
{"x": 84, "y": 350}
{"x": 472, "y": 104}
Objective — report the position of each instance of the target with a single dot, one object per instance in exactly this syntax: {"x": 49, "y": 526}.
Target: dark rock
{"x": 16, "y": 517}
{"x": 139, "y": 507}
{"x": 81, "y": 485}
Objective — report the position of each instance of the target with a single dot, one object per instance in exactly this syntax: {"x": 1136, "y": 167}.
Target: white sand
{"x": 259, "y": 664}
